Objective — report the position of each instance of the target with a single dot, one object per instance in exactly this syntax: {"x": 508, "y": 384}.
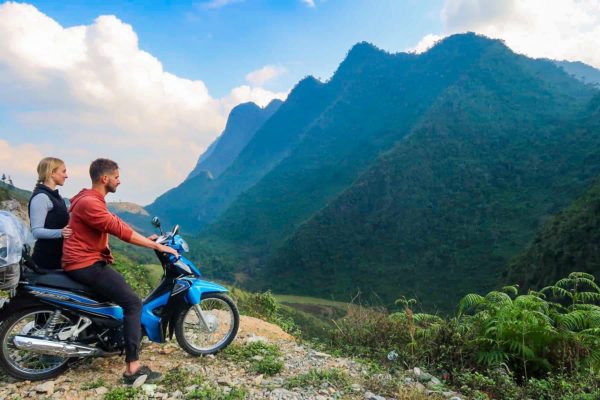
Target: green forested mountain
{"x": 242, "y": 123}
{"x": 439, "y": 215}
{"x": 200, "y": 199}
{"x": 417, "y": 175}
{"x": 380, "y": 97}
{"x": 8, "y": 192}
{"x": 581, "y": 71}
{"x": 568, "y": 242}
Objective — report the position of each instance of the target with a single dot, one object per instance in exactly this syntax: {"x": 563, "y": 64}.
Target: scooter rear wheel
{"x": 208, "y": 327}
{"x": 25, "y": 364}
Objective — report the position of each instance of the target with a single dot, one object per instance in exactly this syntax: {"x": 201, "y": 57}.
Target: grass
{"x": 267, "y": 366}
{"x": 293, "y": 299}
{"x": 122, "y": 393}
{"x": 93, "y": 384}
{"x": 154, "y": 273}
{"x": 213, "y": 393}
{"x": 179, "y": 379}
{"x": 316, "y": 377}
{"x": 260, "y": 357}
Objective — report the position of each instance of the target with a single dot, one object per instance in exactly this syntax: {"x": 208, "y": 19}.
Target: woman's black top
{"x": 47, "y": 253}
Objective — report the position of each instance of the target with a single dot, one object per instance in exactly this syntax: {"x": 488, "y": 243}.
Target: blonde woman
{"x": 48, "y": 214}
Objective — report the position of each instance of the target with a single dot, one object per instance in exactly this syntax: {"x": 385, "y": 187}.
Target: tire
{"x": 223, "y": 320}
{"x": 10, "y": 357}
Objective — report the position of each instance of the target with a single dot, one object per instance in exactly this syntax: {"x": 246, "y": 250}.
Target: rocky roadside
{"x": 300, "y": 372}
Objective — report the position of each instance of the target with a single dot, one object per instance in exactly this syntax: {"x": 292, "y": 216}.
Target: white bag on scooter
{"x": 13, "y": 236}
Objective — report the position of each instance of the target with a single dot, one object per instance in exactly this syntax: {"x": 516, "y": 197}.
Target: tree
{"x": 3, "y": 178}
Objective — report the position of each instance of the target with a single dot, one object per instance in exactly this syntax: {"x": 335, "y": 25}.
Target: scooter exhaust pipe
{"x": 54, "y": 347}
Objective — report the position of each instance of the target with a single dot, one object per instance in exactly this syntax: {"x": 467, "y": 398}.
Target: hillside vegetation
{"x": 423, "y": 176}
{"x": 567, "y": 242}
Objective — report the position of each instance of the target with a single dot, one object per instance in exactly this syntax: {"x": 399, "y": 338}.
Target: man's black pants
{"x": 107, "y": 282}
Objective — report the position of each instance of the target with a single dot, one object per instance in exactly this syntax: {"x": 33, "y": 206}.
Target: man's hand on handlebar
{"x": 167, "y": 249}
{"x": 153, "y": 237}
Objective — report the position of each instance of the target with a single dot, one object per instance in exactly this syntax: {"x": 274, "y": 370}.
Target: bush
{"x": 501, "y": 344}
{"x": 135, "y": 275}
{"x": 264, "y": 306}
{"x": 534, "y": 335}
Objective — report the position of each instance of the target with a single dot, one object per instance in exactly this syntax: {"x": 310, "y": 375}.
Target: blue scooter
{"x": 52, "y": 320}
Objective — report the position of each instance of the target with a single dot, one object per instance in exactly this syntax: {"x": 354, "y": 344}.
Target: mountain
{"x": 15, "y": 200}
{"x": 380, "y": 97}
{"x": 242, "y": 123}
{"x": 404, "y": 174}
{"x": 581, "y": 71}
{"x": 200, "y": 199}
{"x": 439, "y": 215}
{"x": 568, "y": 242}
{"x": 10, "y": 192}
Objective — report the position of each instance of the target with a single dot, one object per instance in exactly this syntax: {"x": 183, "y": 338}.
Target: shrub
{"x": 533, "y": 335}
{"x": 264, "y": 306}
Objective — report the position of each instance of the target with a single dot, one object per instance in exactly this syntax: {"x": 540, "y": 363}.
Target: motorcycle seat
{"x": 58, "y": 279}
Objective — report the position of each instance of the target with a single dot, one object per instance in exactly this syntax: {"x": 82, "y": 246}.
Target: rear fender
{"x": 18, "y": 303}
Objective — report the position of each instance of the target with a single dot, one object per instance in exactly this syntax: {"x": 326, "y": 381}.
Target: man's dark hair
{"x": 101, "y": 167}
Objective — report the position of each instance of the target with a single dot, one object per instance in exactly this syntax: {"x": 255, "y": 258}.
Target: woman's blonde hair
{"x": 46, "y": 167}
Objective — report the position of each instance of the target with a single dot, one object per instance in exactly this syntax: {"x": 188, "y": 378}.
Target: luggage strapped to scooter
{"x": 15, "y": 242}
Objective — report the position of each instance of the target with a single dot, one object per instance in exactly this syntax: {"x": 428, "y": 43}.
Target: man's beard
{"x": 111, "y": 189}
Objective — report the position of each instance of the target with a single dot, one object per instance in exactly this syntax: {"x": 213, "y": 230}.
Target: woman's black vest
{"x": 47, "y": 253}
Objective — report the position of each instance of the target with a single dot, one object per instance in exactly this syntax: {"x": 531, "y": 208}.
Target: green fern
{"x": 532, "y": 333}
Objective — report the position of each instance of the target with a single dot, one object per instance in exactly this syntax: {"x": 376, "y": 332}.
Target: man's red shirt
{"x": 91, "y": 223}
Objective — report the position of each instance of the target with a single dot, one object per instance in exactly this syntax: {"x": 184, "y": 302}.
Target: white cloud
{"x": 425, "y": 43}
{"x": 309, "y": 3}
{"x": 557, "y": 29}
{"x": 260, "y": 96}
{"x": 89, "y": 91}
{"x": 267, "y": 73}
{"x": 22, "y": 159}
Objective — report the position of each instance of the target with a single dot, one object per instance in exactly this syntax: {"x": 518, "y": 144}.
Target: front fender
{"x": 200, "y": 287}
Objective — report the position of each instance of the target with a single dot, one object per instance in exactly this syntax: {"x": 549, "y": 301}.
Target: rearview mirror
{"x": 155, "y": 222}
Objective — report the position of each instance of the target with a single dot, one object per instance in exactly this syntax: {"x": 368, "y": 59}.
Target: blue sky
{"x": 150, "y": 84}
{"x": 221, "y": 45}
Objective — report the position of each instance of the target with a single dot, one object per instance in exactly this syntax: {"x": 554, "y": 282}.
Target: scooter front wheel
{"x": 208, "y": 327}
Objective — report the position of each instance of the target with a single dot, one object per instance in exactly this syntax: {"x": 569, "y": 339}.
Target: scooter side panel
{"x": 76, "y": 302}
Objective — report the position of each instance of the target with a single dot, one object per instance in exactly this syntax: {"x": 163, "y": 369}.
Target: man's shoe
{"x": 151, "y": 376}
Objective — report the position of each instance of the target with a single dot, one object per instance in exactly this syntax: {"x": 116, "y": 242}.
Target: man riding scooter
{"x": 87, "y": 257}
